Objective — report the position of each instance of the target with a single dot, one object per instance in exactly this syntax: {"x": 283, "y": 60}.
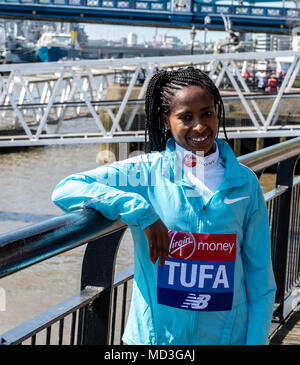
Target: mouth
{"x": 199, "y": 141}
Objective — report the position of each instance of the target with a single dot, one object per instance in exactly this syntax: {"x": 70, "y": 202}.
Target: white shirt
{"x": 261, "y": 78}
{"x": 208, "y": 172}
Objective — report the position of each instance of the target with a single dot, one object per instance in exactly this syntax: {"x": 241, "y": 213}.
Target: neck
{"x": 212, "y": 150}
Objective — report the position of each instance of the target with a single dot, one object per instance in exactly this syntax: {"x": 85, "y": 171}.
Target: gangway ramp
{"x": 38, "y": 100}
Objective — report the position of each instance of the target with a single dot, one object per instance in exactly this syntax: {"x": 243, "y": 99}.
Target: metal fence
{"x": 284, "y": 215}
{"x": 98, "y": 313}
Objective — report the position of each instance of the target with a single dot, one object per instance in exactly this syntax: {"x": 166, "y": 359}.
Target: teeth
{"x": 199, "y": 139}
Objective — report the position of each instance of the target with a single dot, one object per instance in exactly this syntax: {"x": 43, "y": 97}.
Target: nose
{"x": 199, "y": 125}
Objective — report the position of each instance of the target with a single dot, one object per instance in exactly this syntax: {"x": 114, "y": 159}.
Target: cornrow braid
{"x": 158, "y": 102}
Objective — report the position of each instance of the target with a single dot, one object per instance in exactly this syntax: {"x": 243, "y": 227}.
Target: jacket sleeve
{"x": 258, "y": 272}
{"x": 106, "y": 190}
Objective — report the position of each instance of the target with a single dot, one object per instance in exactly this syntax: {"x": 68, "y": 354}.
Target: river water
{"x": 27, "y": 179}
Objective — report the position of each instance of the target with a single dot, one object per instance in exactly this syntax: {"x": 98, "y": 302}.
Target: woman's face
{"x": 193, "y": 119}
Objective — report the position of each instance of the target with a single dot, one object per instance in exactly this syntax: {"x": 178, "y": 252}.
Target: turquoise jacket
{"x": 217, "y": 286}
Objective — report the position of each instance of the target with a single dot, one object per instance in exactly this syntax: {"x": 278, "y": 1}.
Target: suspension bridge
{"x": 161, "y": 13}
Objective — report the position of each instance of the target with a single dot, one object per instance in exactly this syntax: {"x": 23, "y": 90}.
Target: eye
{"x": 186, "y": 118}
{"x": 209, "y": 114}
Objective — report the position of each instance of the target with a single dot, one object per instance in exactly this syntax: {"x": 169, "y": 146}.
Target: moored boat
{"x": 53, "y": 47}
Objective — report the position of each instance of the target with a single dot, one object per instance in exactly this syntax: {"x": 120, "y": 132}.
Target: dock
{"x": 289, "y": 332}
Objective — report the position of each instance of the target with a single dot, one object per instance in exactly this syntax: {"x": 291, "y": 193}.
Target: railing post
{"x": 285, "y": 174}
{"x": 98, "y": 270}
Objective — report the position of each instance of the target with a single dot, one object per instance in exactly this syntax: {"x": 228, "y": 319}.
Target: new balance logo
{"x": 196, "y": 301}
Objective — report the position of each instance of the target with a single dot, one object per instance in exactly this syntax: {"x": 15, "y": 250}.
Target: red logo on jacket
{"x": 182, "y": 244}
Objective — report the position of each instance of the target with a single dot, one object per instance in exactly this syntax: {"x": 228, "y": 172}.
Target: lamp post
{"x": 193, "y": 36}
{"x": 207, "y": 20}
{"x": 254, "y": 44}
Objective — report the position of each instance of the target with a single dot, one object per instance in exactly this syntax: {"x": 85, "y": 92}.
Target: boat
{"x": 18, "y": 50}
{"x": 53, "y": 47}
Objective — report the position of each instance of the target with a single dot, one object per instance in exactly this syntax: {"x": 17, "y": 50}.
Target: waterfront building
{"x": 280, "y": 42}
{"x": 296, "y": 39}
{"x": 132, "y": 39}
{"x": 263, "y": 42}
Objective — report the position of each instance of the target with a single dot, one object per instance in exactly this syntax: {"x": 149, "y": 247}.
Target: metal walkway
{"x": 37, "y": 101}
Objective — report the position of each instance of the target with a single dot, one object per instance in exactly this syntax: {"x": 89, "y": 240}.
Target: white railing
{"x": 35, "y": 96}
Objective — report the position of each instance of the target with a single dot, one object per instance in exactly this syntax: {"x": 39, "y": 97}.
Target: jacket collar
{"x": 234, "y": 174}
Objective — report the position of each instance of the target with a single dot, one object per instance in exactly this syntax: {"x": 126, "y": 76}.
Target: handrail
{"x": 35, "y": 243}
{"x": 114, "y": 102}
{"x": 29, "y": 245}
{"x": 27, "y": 69}
{"x": 269, "y": 156}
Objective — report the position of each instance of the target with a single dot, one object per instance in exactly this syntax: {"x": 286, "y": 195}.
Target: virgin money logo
{"x": 182, "y": 244}
{"x": 190, "y": 160}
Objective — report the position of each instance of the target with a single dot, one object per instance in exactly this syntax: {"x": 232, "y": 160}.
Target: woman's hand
{"x": 158, "y": 241}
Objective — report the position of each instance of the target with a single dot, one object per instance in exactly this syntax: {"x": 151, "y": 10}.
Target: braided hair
{"x": 158, "y": 101}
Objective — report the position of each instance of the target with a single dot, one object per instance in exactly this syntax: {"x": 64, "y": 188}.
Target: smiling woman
{"x": 186, "y": 104}
{"x": 193, "y": 120}
{"x": 202, "y": 258}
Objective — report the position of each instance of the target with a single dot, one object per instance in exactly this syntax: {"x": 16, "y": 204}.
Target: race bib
{"x": 199, "y": 272}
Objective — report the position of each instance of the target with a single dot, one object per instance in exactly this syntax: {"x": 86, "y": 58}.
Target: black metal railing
{"x": 293, "y": 257}
{"x": 283, "y": 206}
{"x": 90, "y": 309}
{"x": 98, "y": 313}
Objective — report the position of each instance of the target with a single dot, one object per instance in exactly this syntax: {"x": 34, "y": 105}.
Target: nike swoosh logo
{"x": 231, "y": 201}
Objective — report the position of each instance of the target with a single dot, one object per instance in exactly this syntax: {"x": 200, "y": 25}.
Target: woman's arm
{"x": 109, "y": 191}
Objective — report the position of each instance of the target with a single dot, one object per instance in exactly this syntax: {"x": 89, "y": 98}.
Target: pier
{"x": 97, "y": 314}
{"x": 38, "y": 102}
